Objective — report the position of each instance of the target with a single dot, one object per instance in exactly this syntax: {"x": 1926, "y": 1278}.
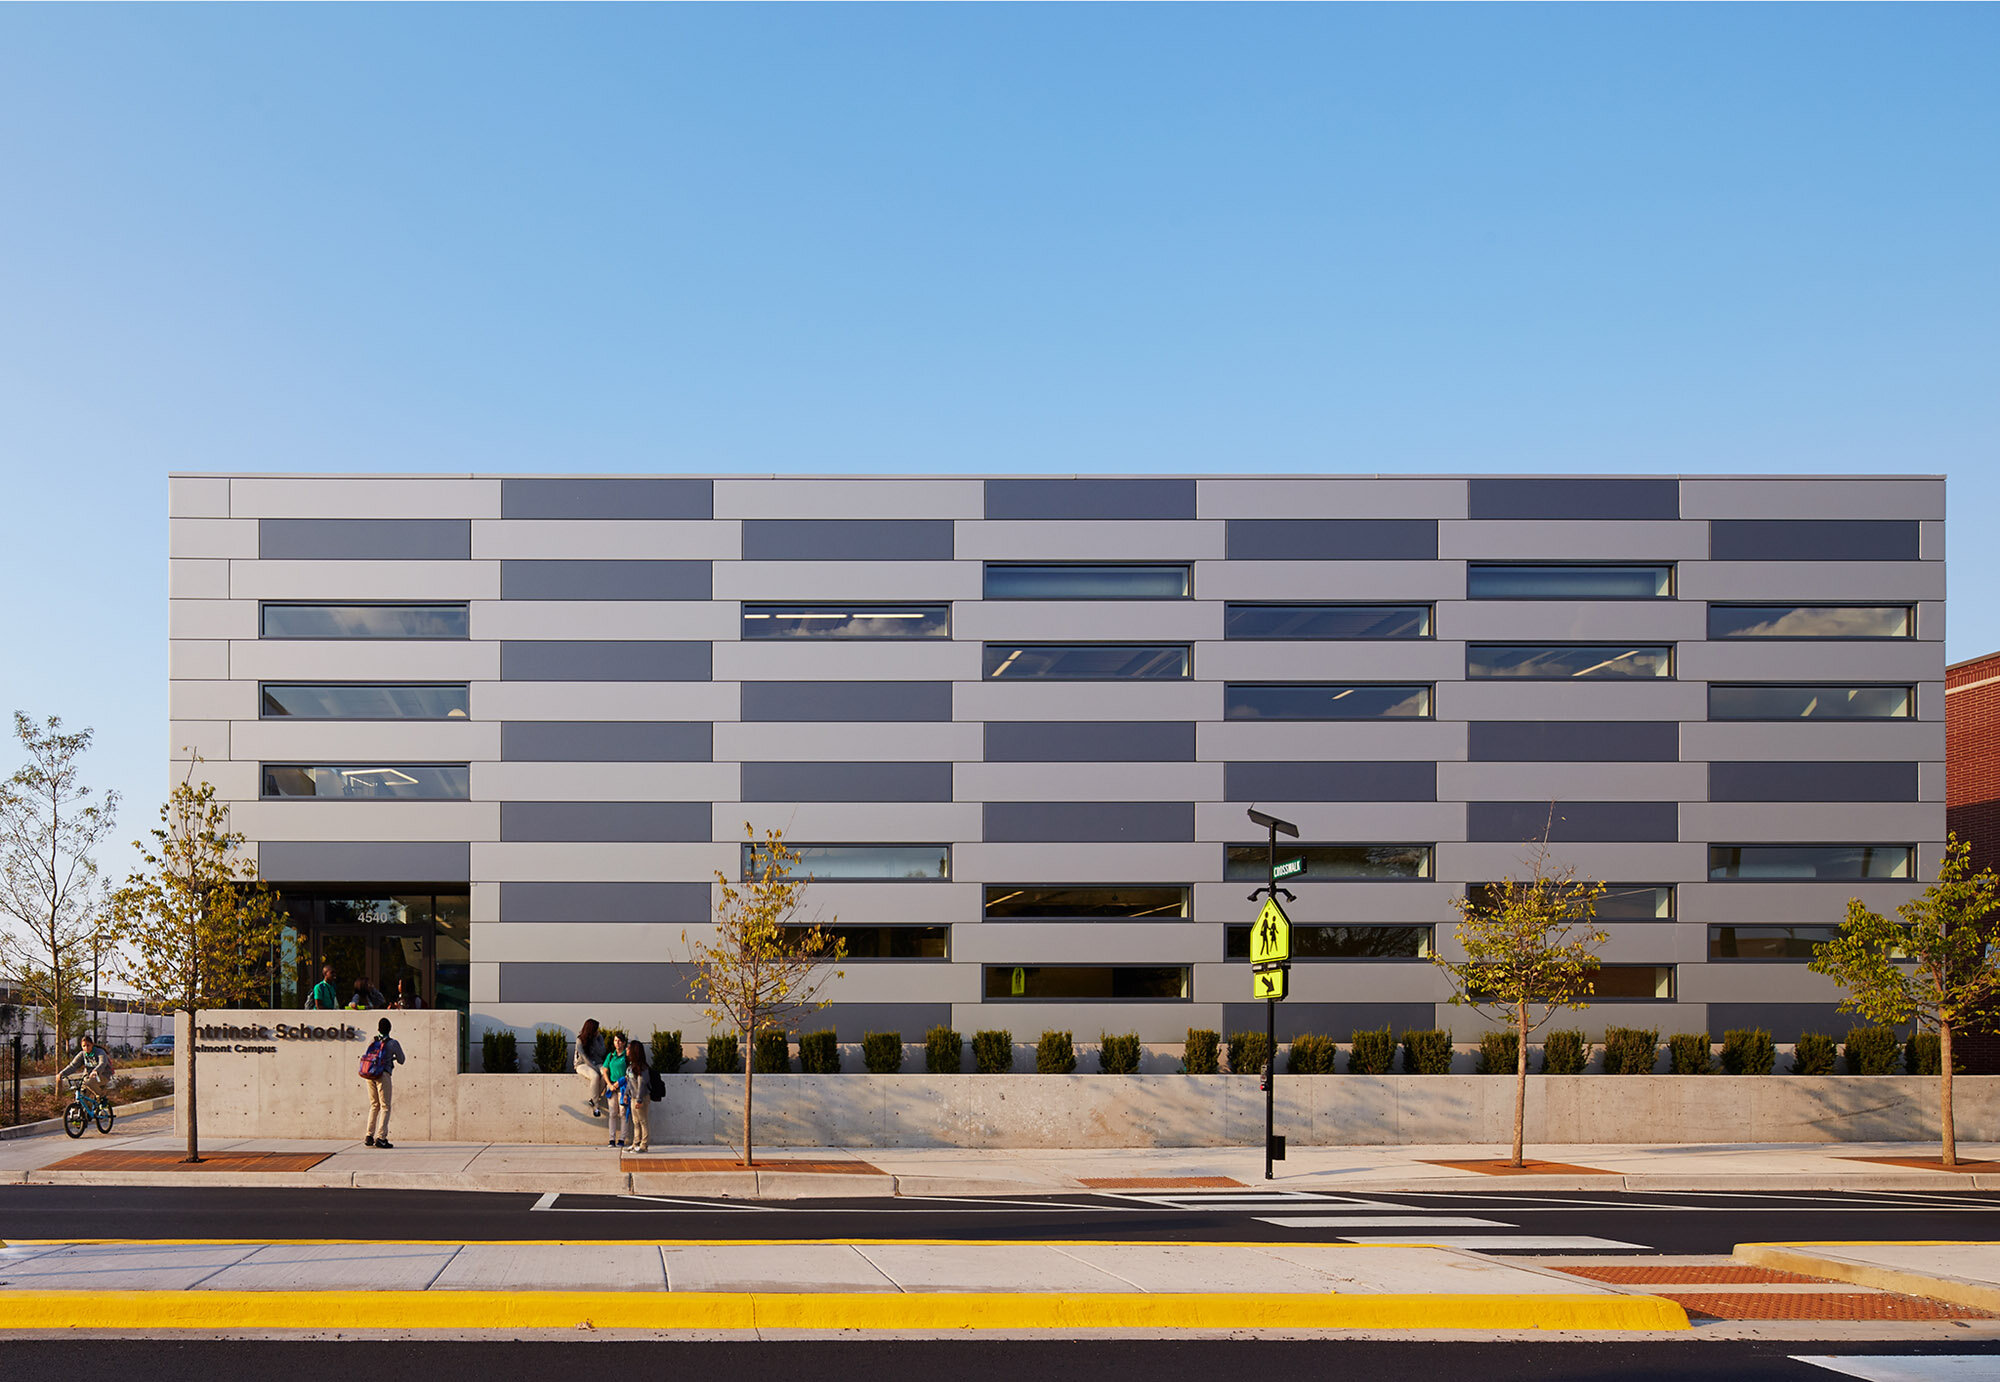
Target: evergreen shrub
{"x": 1499, "y": 1053}
{"x": 1427, "y": 1051}
{"x": 1688, "y": 1053}
{"x": 993, "y": 1052}
{"x": 723, "y": 1057}
{"x": 497, "y": 1055}
{"x": 1202, "y": 1053}
{"x": 819, "y": 1052}
{"x": 1923, "y": 1055}
{"x": 1247, "y": 1052}
{"x": 773, "y": 1052}
{"x": 665, "y": 1049}
{"x": 1371, "y": 1052}
{"x": 1055, "y": 1054}
{"x": 1871, "y": 1050}
{"x": 551, "y": 1050}
{"x": 1312, "y": 1055}
{"x": 1564, "y": 1053}
{"x": 944, "y": 1051}
{"x": 1630, "y": 1050}
{"x": 882, "y": 1052}
{"x": 1748, "y": 1051}
{"x": 1812, "y": 1054}
{"x": 1118, "y": 1055}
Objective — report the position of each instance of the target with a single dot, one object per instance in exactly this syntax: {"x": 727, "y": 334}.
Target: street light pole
{"x": 1271, "y": 888}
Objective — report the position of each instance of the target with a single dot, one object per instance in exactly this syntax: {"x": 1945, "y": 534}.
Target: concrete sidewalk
{"x": 864, "y": 1172}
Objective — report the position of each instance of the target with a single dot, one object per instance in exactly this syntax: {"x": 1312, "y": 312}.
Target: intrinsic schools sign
{"x": 261, "y": 1040}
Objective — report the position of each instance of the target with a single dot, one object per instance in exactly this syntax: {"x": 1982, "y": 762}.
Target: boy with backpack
{"x": 378, "y": 1068}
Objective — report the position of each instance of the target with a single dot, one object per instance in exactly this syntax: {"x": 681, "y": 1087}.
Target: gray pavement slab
{"x": 126, "y": 1266}
{"x": 1425, "y": 1271}
{"x": 1175, "y": 1268}
{"x": 986, "y": 1267}
{"x": 335, "y": 1267}
{"x": 554, "y": 1267}
{"x": 772, "y": 1267}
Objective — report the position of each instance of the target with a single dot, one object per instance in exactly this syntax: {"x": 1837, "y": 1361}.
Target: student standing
{"x": 638, "y": 1091}
{"x": 379, "y": 1086}
{"x": 324, "y": 994}
{"x": 590, "y": 1065}
{"x": 614, "y": 1083}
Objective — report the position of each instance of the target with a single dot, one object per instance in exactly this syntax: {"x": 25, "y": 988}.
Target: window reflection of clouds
{"x": 1809, "y": 621}
{"x": 1560, "y": 661}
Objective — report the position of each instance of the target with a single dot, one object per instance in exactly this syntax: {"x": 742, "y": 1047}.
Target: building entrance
{"x": 392, "y": 940}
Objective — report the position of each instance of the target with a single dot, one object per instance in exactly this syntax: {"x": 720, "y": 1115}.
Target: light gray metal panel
{"x": 1088, "y": 621}
{"x": 847, "y": 580}
{"x": 1481, "y": 862}
{"x": 891, "y": 902}
{"x": 653, "y": 660}
{"x": 1931, "y": 545}
{"x": 873, "y": 822}
{"x": 606, "y": 741}
{"x": 1087, "y": 821}
{"x": 1330, "y": 497}
{"x": 847, "y": 782}
{"x": 1816, "y": 539}
{"x": 1087, "y": 700}
{"x": 1534, "y": 541}
{"x": 616, "y": 621}
{"x": 1090, "y": 499}
{"x": 364, "y": 539}
{"x": 1814, "y": 496}
{"x": 604, "y": 700}
{"x": 804, "y": 701}
{"x": 1391, "y": 660}
{"x": 642, "y": 497}
{"x": 1415, "y": 903}
{"x": 852, "y": 1021}
{"x": 802, "y": 497}
{"x": 1571, "y": 621}
{"x": 1573, "y": 741}
{"x": 1823, "y": 904}
{"x": 1085, "y": 862}
{"x": 364, "y": 580}
{"x": 604, "y": 820}
{"x": 604, "y": 782}
{"x": 197, "y": 496}
{"x": 1332, "y": 539}
{"x": 1412, "y": 822}
{"x": 1756, "y": 659}
{"x": 847, "y": 539}
{"x": 1271, "y": 740}
{"x": 1571, "y": 700}
{"x": 364, "y": 496}
{"x": 370, "y": 862}
{"x": 604, "y": 580}
{"x": 1039, "y": 540}
{"x": 1909, "y": 740}
{"x": 1812, "y": 782}
{"x": 683, "y": 904}
{"x": 1607, "y": 821}
{"x": 848, "y": 741}
{"x": 1086, "y": 943}
{"x": 1089, "y": 741}
{"x": 1808, "y": 822}
{"x": 1337, "y": 1020}
{"x": 840, "y": 659}
{"x": 1822, "y": 582}
{"x": 1398, "y": 582}
{"x": 1573, "y": 497}
{"x": 1666, "y": 781}
{"x": 1087, "y": 781}
{"x": 1351, "y": 781}
{"x": 635, "y": 981}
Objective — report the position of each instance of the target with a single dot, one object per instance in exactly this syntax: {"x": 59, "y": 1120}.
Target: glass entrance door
{"x": 380, "y": 955}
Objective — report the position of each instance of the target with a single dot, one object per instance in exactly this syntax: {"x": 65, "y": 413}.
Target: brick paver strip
{"x": 1725, "y": 1305}
{"x": 1161, "y": 1183}
{"x": 1691, "y": 1276}
{"x": 1497, "y": 1166}
{"x": 1927, "y": 1163}
{"x": 679, "y": 1165}
{"x": 112, "y": 1160}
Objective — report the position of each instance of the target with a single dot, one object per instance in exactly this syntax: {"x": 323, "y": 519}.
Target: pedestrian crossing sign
{"x": 1271, "y": 935}
{"x": 1270, "y": 983}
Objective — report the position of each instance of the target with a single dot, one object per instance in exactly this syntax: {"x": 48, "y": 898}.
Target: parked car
{"x": 159, "y": 1046}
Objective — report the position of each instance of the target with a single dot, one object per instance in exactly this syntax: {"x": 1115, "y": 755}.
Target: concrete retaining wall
{"x": 309, "y": 1088}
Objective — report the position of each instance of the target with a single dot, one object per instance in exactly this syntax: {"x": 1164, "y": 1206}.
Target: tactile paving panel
{"x": 109, "y": 1160}
{"x": 1723, "y": 1305}
{"x": 1718, "y": 1275}
{"x": 682, "y": 1165}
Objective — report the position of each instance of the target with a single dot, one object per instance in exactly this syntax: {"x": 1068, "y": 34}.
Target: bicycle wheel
{"x": 75, "y": 1120}
{"x": 105, "y": 1115}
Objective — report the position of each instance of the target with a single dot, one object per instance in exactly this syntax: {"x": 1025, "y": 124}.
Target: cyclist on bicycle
{"x": 95, "y": 1064}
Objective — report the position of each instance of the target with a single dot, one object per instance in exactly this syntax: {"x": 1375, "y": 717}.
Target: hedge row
{"x": 1427, "y": 1051}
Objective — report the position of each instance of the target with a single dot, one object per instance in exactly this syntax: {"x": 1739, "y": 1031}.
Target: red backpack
{"x": 375, "y": 1060}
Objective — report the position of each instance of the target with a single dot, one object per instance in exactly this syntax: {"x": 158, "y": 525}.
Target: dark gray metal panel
{"x": 1813, "y": 539}
{"x": 563, "y": 660}
{"x": 1595, "y": 822}
{"x": 1333, "y": 539}
{"x": 680, "y": 904}
{"x": 1089, "y": 741}
{"x": 363, "y": 862}
{"x": 1573, "y": 741}
{"x": 1088, "y": 822}
{"x": 605, "y": 821}
{"x": 846, "y": 700}
{"x": 1337, "y": 1020}
{"x": 1373, "y": 781}
{"x": 847, "y": 539}
{"x": 603, "y": 982}
{"x": 847, "y": 782}
{"x": 1812, "y": 782}
{"x": 364, "y": 539}
{"x": 1784, "y": 1021}
{"x": 1575, "y": 497}
{"x": 1090, "y": 499}
{"x": 604, "y": 580}
{"x": 606, "y": 741}
{"x": 607, "y": 498}
{"x": 852, "y": 1021}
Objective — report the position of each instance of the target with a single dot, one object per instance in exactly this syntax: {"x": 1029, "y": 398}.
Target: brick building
{"x": 1972, "y": 755}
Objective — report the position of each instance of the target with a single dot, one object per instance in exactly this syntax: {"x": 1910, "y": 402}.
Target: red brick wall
{"x": 1972, "y": 756}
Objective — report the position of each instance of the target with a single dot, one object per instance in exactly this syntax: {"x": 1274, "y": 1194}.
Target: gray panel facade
{"x": 297, "y": 861}
{"x": 847, "y": 539}
{"x": 618, "y": 497}
{"x": 364, "y": 539}
{"x": 606, "y": 741}
{"x": 604, "y": 580}
{"x": 564, "y": 660}
{"x": 1573, "y": 741}
{"x": 1812, "y": 782}
{"x": 1524, "y": 822}
{"x": 828, "y": 701}
{"x": 847, "y": 782}
{"x": 1332, "y": 539}
{"x": 1858, "y": 539}
{"x": 674, "y": 904}
{"x": 622, "y": 822}
{"x": 1088, "y": 822}
{"x": 1331, "y": 782}
{"x": 1091, "y": 500}
{"x": 1574, "y": 498}
{"x": 1091, "y": 741}
{"x": 599, "y": 982}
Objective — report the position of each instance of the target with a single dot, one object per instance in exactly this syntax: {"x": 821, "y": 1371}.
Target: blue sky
{"x": 1053, "y": 238}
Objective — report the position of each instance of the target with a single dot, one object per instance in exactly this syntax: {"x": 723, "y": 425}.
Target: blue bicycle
{"x": 86, "y": 1108}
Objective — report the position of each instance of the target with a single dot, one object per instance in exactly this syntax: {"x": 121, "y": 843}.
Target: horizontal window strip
{"x": 367, "y": 781}
{"x": 1088, "y": 983}
{"x": 770, "y": 620}
{"x": 1330, "y": 863}
{"x": 1809, "y": 701}
{"x": 363, "y": 700}
{"x": 1088, "y": 661}
{"x": 1318, "y": 941}
{"x": 1811, "y": 621}
{"x": 891, "y": 942}
{"x": 1569, "y": 661}
{"x": 1811, "y": 863}
{"x": 1326, "y": 621}
{"x": 1569, "y": 581}
{"x": 1618, "y": 901}
{"x": 1795, "y": 943}
{"x": 857, "y": 863}
{"x": 1087, "y": 581}
{"x": 1007, "y": 902}
{"x": 441, "y": 621}
{"x": 1326, "y": 701}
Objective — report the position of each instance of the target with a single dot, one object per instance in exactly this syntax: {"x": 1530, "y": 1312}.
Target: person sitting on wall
{"x": 324, "y": 994}
{"x": 359, "y": 1001}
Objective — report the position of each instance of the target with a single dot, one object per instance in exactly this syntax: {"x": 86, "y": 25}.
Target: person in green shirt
{"x": 614, "y": 1079}
{"x": 324, "y": 994}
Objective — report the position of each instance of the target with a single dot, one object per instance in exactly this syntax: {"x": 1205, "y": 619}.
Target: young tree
{"x": 1936, "y": 967}
{"x": 764, "y": 967}
{"x": 197, "y": 924}
{"x": 49, "y": 833}
{"x": 1530, "y": 946}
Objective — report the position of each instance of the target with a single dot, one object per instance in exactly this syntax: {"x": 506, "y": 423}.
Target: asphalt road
{"x": 1499, "y": 1221}
{"x": 973, "y": 1360}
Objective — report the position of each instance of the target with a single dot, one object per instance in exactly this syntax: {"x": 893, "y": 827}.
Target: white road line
{"x": 547, "y": 1201}
{"x": 1497, "y": 1242}
{"x": 1339, "y": 1224}
{"x": 1928, "y": 1367}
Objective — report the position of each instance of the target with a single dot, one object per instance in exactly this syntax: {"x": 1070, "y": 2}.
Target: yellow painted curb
{"x": 1799, "y": 1257}
{"x": 236, "y": 1311}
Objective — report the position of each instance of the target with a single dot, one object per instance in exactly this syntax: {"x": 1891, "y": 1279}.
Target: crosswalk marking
{"x": 1930, "y": 1367}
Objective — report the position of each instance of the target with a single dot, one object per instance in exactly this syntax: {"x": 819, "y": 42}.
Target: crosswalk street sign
{"x": 1271, "y": 935}
{"x": 1270, "y": 983}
